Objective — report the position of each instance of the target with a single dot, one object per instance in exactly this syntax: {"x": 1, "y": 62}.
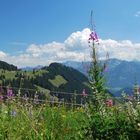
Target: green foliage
{"x": 114, "y": 122}
{"x": 107, "y": 123}
{"x": 25, "y": 121}
{"x": 97, "y": 80}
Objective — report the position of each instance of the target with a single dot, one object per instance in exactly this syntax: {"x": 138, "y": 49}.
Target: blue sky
{"x": 24, "y": 23}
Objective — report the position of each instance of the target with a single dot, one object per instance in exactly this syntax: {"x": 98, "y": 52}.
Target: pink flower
{"x": 1, "y": 91}
{"x": 93, "y": 36}
{"x": 1, "y": 97}
{"x": 9, "y": 93}
{"x": 109, "y": 102}
{"x": 84, "y": 93}
{"x": 139, "y": 90}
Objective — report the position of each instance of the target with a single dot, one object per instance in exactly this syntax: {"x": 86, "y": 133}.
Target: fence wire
{"x": 53, "y": 98}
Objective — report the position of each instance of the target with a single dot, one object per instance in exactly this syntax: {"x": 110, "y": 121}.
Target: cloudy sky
{"x": 38, "y": 32}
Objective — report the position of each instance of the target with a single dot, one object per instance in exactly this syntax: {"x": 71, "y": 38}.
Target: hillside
{"x": 55, "y": 77}
{"x": 6, "y": 66}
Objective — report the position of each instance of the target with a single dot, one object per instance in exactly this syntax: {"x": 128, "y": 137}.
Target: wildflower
{"x": 93, "y": 37}
{"x": 10, "y": 93}
{"x": 36, "y": 98}
{"x": 109, "y": 102}
{"x": 84, "y": 93}
{"x": 139, "y": 90}
{"x": 19, "y": 93}
{"x": 13, "y": 113}
{"x": 1, "y": 97}
{"x": 25, "y": 97}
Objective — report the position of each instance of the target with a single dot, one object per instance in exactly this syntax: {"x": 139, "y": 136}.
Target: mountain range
{"x": 120, "y": 75}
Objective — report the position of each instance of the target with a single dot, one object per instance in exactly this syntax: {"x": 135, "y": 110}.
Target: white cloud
{"x": 75, "y": 48}
{"x": 125, "y": 50}
{"x": 2, "y": 54}
{"x": 77, "y": 40}
{"x": 46, "y": 49}
{"x": 137, "y": 14}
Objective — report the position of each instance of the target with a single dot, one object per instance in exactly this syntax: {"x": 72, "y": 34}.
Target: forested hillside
{"x": 6, "y": 66}
{"x": 55, "y": 77}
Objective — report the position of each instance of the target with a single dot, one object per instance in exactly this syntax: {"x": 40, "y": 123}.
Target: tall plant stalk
{"x": 96, "y": 72}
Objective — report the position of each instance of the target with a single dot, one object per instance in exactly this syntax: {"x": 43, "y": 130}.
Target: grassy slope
{"x": 57, "y": 81}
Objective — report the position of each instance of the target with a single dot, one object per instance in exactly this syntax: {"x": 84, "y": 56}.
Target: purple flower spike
{"x": 1, "y": 97}
{"x": 93, "y": 36}
{"x": 10, "y": 93}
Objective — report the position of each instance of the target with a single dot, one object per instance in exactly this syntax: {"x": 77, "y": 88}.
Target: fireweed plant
{"x": 96, "y": 72}
{"x": 109, "y": 119}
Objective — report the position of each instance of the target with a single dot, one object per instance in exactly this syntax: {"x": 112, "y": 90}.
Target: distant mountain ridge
{"x": 120, "y": 74}
{"x": 28, "y": 68}
{"x": 84, "y": 66}
{"x": 125, "y": 74}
